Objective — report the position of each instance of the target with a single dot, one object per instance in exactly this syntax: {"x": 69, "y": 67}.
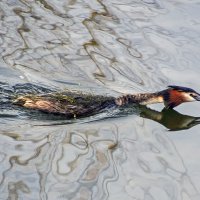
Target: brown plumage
{"x": 78, "y": 104}
{"x": 69, "y": 104}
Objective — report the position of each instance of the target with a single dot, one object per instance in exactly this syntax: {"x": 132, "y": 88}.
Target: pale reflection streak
{"x": 15, "y": 160}
{"x": 85, "y": 167}
{"x": 79, "y": 160}
{"x": 153, "y": 168}
{"x": 124, "y": 62}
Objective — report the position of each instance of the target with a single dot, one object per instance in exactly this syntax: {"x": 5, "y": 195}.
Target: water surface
{"x": 102, "y": 47}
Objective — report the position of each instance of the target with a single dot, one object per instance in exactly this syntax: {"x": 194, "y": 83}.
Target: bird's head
{"x": 175, "y": 95}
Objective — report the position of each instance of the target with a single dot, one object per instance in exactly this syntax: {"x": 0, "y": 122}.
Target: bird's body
{"x": 68, "y": 104}
{"x": 79, "y": 105}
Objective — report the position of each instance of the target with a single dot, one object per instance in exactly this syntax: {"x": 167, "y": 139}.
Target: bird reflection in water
{"x": 170, "y": 118}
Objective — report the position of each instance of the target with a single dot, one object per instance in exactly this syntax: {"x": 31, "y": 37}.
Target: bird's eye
{"x": 193, "y": 95}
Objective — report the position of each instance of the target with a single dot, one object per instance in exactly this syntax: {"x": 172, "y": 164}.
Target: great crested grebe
{"x": 77, "y": 105}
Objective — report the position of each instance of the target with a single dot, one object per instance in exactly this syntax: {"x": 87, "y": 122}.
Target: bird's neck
{"x": 148, "y": 98}
{"x": 141, "y": 98}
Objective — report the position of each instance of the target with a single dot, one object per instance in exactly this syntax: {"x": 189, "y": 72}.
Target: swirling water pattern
{"x": 103, "y": 47}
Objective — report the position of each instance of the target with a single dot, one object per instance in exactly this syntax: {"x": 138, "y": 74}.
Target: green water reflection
{"x": 171, "y": 119}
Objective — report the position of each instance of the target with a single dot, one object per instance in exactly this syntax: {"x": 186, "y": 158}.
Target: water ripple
{"x": 105, "y": 47}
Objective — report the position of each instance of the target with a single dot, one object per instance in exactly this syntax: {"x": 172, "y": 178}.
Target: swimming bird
{"x": 79, "y": 105}
{"x": 171, "y": 97}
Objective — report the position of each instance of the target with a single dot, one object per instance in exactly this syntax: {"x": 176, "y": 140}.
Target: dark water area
{"x": 104, "y": 48}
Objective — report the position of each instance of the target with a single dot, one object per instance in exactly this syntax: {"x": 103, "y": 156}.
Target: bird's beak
{"x": 197, "y": 97}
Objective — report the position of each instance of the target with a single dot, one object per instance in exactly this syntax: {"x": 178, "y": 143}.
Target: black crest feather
{"x": 180, "y": 88}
